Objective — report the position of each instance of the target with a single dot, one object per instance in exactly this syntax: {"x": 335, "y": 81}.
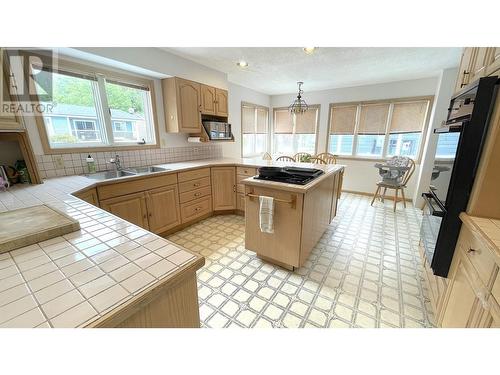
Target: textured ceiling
{"x": 276, "y": 70}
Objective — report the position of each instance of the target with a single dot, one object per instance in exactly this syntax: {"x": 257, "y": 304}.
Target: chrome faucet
{"x": 116, "y": 162}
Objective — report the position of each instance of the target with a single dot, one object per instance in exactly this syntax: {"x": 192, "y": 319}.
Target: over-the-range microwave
{"x": 218, "y": 130}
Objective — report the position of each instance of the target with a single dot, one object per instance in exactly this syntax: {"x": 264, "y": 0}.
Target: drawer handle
{"x": 196, "y": 185}
{"x": 472, "y": 251}
{"x": 197, "y": 208}
{"x": 197, "y": 194}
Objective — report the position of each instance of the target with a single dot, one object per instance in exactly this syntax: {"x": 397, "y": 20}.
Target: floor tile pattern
{"x": 364, "y": 272}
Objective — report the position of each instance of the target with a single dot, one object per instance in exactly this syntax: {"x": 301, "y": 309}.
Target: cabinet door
{"x": 89, "y": 196}
{"x": 221, "y": 102}
{"x": 224, "y": 188}
{"x": 494, "y": 61}
{"x": 464, "y": 70}
{"x": 189, "y": 101}
{"x": 464, "y": 296}
{"x": 208, "y": 99}
{"x": 131, "y": 207}
{"x": 8, "y": 120}
{"x": 163, "y": 208}
{"x": 479, "y": 62}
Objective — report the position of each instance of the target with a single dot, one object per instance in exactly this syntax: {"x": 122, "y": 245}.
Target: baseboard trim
{"x": 389, "y": 197}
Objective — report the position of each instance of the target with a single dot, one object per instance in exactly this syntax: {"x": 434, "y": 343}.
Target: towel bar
{"x": 291, "y": 202}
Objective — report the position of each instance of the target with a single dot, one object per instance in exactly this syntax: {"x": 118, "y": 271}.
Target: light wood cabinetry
{"x": 196, "y": 208}
{"x": 130, "y": 207}
{"x": 89, "y": 196}
{"x": 223, "y": 188}
{"x": 241, "y": 174}
{"x": 182, "y": 101}
{"x": 186, "y": 101}
{"x": 221, "y": 103}
{"x": 147, "y": 183}
{"x": 8, "y": 119}
{"x": 208, "y": 100}
{"x": 163, "y": 208}
{"x": 477, "y": 62}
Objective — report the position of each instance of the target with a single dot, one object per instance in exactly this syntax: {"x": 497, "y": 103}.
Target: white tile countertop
{"x": 73, "y": 280}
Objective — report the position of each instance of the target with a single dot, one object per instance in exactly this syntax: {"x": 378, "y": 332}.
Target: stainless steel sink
{"x": 150, "y": 169}
{"x": 106, "y": 175}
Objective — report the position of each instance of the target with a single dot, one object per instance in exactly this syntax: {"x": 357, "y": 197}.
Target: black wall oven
{"x": 453, "y": 175}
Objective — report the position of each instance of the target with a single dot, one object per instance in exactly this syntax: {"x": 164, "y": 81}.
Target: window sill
{"x": 79, "y": 150}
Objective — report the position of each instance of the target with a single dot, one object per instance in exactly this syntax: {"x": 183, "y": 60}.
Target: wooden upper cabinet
{"x": 182, "y": 101}
{"x": 130, "y": 207}
{"x": 223, "y": 188}
{"x": 480, "y": 61}
{"x": 464, "y": 70}
{"x": 208, "y": 100}
{"x": 163, "y": 208}
{"x": 494, "y": 61}
{"x": 8, "y": 120}
{"x": 221, "y": 103}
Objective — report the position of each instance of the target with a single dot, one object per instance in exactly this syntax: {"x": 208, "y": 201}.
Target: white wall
{"x": 238, "y": 94}
{"x": 360, "y": 176}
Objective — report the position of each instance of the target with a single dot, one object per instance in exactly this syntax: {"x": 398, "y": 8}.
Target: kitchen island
{"x": 301, "y": 215}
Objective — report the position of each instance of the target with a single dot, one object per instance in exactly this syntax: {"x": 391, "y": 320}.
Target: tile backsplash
{"x": 71, "y": 164}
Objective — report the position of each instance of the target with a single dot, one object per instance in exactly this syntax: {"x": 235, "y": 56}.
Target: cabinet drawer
{"x": 122, "y": 188}
{"x": 196, "y": 208}
{"x": 194, "y": 174}
{"x": 240, "y": 202}
{"x": 245, "y": 171}
{"x": 478, "y": 254}
{"x": 195, "y": 194}
{"x": 194, "y": 184}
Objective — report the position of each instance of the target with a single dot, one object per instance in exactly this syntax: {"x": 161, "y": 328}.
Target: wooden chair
{"x": 327, "y": 157}
{"x": 396, "y": 186}
{"x": 285, "y": 158}
{"x": 267, "y": 156}
{"x": 299, "y": 156}
{"x": 315, "y": 160}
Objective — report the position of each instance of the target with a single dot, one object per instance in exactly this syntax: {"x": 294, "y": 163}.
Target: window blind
{"x": 248, "y": 120}
{"x": 305, "y": 123}
{"x": 283, "y": 123}
{"x": 262, "y": 119}
{"x": 343, "y": 119}
{"x": 373, "y": 118}
{"x": 409, "y": 117}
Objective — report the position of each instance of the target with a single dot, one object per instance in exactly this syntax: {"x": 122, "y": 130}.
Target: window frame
{"x": 387, "y": 133}
{"x": 268, "y": 130}
{"x": 317, "y": 128}
{"x": 102, "y": 73}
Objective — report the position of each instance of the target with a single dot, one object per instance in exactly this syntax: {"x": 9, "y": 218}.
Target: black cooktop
{"x": 288, "y": 175}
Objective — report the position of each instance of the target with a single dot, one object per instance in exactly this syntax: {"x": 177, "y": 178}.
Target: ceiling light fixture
{"x": 242, "y": 64}
{"x": 299, "y": 105}
{"x": 309, "y": 50}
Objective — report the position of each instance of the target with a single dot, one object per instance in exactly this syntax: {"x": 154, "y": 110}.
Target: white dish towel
{"x": 266, "y": 213}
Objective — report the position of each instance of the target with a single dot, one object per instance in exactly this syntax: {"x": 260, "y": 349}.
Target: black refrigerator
{"x": 460, "y": 143}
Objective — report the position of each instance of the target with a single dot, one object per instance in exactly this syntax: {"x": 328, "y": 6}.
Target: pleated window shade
{"x": 373, "y": 118}
{"x": 409, "y": 117}
{"x": 262, "y": 120}
{"x": 248, "y": 120}
{"x": 305, "y": 123}
{"x": 283, "y": 122}
{"x": 343, "y": 119}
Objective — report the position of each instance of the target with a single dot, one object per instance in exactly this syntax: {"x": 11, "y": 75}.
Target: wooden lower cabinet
{"x": 196, "y": 208}
{"x": 130, "y": 207}
{"x": 223, "y": 188}
{"x": 240, "y": 202}
{"x": 163, "y": 208}
{"x": 89, "y": 196}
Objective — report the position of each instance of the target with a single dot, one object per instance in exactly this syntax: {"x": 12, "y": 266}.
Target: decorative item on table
{"x": 11, "y": 174}
{"x": 22, "y": 170}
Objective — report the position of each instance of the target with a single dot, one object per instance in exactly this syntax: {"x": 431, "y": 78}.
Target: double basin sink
{"x": 126, "y": 172}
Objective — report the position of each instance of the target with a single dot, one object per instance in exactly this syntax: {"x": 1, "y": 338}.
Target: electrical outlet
{"x": 58, "y": 161}
{"x": 196, "y": 149}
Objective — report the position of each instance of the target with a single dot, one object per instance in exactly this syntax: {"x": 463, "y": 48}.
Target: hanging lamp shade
{"x": 299, "y": 105}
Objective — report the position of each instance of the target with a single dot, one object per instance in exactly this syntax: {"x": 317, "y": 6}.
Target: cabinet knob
{"x": 196, "y": 194}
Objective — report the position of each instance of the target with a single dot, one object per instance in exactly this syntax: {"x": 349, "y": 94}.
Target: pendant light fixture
{"x": 299, "y": 106}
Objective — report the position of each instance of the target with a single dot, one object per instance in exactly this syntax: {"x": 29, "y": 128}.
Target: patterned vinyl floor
{"x": 364, "y": 272}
